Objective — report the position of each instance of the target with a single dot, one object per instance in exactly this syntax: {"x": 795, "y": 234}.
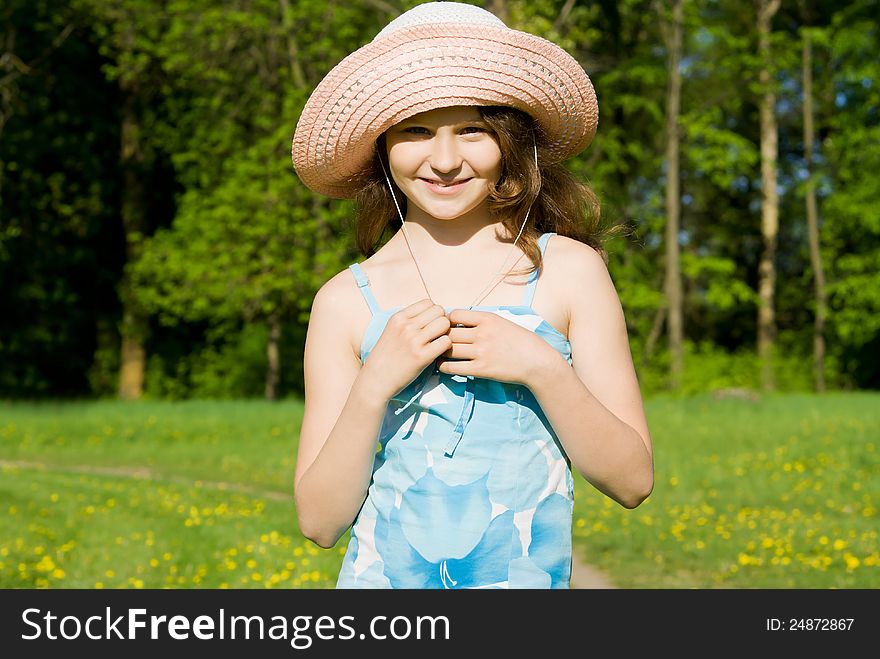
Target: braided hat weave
{"x": 435, "y": 55}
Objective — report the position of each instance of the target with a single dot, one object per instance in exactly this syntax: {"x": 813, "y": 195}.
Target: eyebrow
{"x": 468, "y": 122}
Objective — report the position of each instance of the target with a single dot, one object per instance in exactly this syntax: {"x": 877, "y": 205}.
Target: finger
{"x": 451, "y": 367}
{"x": 436, "y": 327}
{"x": 465, "y": 317}
{"x": 436, "y": 347}
{"x": 462, "y": 334}
{"x": 460, "y": 351}
{"x": 430, "y": 314}
{"x": 416, "y": 308}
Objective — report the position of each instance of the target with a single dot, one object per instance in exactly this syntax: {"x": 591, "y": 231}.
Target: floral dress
{"x": 470, "y": 486}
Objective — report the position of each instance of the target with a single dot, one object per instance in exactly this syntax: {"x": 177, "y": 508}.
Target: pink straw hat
{"x": 435, "y": 55}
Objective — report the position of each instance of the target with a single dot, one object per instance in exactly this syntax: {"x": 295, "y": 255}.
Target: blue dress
{"x": 470, "y": 485}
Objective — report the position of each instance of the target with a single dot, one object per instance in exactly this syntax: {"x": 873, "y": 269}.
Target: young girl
{"x": 447, "y": 396}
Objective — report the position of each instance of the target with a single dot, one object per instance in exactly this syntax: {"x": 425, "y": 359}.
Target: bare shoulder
{"x": 577, "y": 258}
{"x": 336, "y": 307}
{"x": 339, "y": 290}
{"x": 580, "y": 275}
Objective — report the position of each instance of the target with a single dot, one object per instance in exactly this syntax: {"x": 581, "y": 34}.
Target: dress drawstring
{"x": 467, "y": 411}
{"x": 467, "y": 408}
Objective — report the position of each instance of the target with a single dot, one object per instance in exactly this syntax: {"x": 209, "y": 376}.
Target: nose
{"x": 445, "y": 156}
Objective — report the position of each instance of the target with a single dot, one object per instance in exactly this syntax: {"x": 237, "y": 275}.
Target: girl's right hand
{"x": 413, "y": 338}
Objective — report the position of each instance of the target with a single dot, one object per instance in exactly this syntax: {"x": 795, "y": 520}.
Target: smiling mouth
{"x": 441, "y": 185}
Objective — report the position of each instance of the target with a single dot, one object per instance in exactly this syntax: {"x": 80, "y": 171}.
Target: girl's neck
{"x": 469, "y": 233}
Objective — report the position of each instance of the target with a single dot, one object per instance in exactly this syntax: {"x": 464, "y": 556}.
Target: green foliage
{"x": 230, "y": 238}
{"x": 104, "y": 370}
{"x": 57, "y": 260}
{"x": 230, "y": 363}
{"x": 233, "y": 368}
{"x": 716, "y": 279}
{"x": 708, "y": 367}
{"x": 718, "y": 154}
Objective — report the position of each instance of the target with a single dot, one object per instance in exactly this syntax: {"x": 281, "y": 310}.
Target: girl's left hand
{"x": 494, "y": 347}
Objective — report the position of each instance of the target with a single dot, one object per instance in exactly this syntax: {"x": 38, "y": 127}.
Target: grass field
{"x": 777, "y": 493}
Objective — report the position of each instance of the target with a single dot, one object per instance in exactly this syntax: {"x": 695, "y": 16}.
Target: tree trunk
{"x": 274, "y": 370}
{"x": 134, "y": 327}
{"x": 813, "y": 221}
{"x": 653, "y": 335}
{"x": 296, "y": 72}
{"x": 672, "y": 286}
{"x": 769, "y": 200}
{"x": 499, "y": 8}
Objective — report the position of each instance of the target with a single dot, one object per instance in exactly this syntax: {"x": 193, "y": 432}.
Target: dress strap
{"x": 533, "y": 278}
{"x": 363, "y": 283}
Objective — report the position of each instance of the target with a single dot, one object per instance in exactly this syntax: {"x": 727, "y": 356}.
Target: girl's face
{"x": 443, "y": 160}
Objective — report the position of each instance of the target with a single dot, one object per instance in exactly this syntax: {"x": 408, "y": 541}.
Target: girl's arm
{"x": 341, "y": 422}
{"x": 594, "y": 404}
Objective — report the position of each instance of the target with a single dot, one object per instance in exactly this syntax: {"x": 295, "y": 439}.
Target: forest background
{"x": 155, "y": 241}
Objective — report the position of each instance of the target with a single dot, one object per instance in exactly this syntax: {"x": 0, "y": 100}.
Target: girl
{"x": 444, "y": 433}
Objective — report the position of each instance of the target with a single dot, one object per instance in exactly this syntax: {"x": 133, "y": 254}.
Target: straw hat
{"x": 435, "y": 55}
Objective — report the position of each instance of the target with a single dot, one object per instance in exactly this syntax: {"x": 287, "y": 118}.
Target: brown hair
{"x": 562, "y": 204}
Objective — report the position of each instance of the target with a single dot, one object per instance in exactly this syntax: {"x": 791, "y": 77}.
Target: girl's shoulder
{"x": 569, "y": 271}
{"x": 346, "y": 299}
{"x": 341, "y": 297}
{"x": 570, "y": 254}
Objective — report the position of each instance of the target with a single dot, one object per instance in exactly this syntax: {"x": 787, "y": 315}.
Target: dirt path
{"x": 583, "y": 576}
{"x": 145, "y": 473}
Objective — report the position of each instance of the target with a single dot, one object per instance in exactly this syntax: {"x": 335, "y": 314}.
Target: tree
{"x": 813, "y": 214}
{"x": 770, "y": 198}
{"x": 249, "y": 242}
{"x": 129, "y": 32}
{"x": 672, "y": 36}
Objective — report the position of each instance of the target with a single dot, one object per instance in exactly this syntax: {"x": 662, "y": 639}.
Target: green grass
{"x": 778, "y": 493}
{"x": 153, "y": 495}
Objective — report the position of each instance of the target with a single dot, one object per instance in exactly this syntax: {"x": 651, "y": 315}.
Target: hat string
{"x": 415, "y": 261}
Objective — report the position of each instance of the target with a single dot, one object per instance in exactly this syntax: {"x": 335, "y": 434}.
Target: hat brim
{"x": 429, "y": 66}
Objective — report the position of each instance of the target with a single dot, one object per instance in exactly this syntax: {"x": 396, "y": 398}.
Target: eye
{"x": 415, "y": 130}
{"x": 476, "y": 129}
